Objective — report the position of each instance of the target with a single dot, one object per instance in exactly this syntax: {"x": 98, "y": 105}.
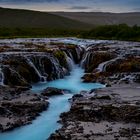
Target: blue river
{"x": 46, "y": 123}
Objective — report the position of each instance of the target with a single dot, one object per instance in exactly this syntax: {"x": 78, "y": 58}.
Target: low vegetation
{"x": 119, "y": 32}
{"x": 115, "y": 32}
{"x": 131, "y": 64}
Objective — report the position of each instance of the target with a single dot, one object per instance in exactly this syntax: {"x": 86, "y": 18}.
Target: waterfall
{"x": 78, "y": 52}
{"x": 46, "y": 66}
{"x": 42, "y": 69}
{"x": 70, "y": 55}
{"x": 57, "y": 68}
{"x": 86, "y": 59}
{"x": 42, "y": 78}
{"x": 1, "y": 77}
{"x": 69, "y": 61}
{"x": 102, "y": 67}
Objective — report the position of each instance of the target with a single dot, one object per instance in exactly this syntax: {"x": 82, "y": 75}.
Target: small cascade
{"x": 86, "y": 59}
{"x": 70, "y": 55}
{"x": 42, "y": 70}
{"x": 102, "y": 66}
{"x": 1, "y": 77}
{"x": 42, "y": 78}
{"x": 57, "y": 69}
{"x": 78, "y": 52}
{"x": 48, "y": 66}
{"x": 69, "y": 61}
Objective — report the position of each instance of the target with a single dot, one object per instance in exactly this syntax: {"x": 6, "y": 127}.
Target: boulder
{"x": 51, "y": 91}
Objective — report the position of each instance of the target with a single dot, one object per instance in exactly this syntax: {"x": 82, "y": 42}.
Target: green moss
{"x": 97, "y": 59}
{"x": 71, "y": 46}
{"x": 61, "y": 58}
{"x": 127, "y": 65}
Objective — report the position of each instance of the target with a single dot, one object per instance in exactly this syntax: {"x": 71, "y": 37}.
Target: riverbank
{"x": 19, "y": 107}
{"x": 108, "y": 113}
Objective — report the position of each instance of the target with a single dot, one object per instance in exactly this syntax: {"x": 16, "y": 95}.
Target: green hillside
{"x": 12, "y": 18}
{"x": 27, "y": 23}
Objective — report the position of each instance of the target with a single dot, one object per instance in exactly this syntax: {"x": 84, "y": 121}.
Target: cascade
{"x": 102, "y": 67}
{"x": 42, "y": 78}
{"x": 69, "y": 61}
{"x": 86, "y": 59}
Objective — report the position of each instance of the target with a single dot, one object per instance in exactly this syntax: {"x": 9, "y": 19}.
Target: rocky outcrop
{"x": 91, "y": 59}
{"x": 128, "y": 64}
{"x": 50, "y": 91}
{"x": 25, "y": 66}
{"x": 111, "y": 63}
{"x": 19, "y": 107}
{"x": 101, "y": 114}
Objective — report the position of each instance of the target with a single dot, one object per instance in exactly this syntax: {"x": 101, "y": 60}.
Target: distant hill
{"x": 12, "y": 18}
{"x": 99, "y": 18}
{"x": 27, "y": 23}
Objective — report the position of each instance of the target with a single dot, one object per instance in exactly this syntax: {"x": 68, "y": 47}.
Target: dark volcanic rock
{"x": 18, "y": 108}
{"x": 50, "y": 91}
{"x": 93, "y": 59}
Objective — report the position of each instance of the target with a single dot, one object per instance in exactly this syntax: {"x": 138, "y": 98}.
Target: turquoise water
{"x": 46, "y": 123}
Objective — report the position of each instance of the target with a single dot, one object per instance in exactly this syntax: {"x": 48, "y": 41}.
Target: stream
{"x": 46, "y": 123}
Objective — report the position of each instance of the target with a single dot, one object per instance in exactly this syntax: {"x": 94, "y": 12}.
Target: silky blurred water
{"x": 44, "y": 125}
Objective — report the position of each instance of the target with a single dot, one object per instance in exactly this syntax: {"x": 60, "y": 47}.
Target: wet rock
{"x": 93, "y": 58}
{"x": 50, "y": 91}
{"x": 137, "y": 78}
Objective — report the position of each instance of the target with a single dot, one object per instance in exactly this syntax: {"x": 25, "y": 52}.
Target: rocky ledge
{"x": 23, "y": 64}
{"x": 19, "y": 107}
{"x": 109, "y": 113}
{"x": 112, "y": 63}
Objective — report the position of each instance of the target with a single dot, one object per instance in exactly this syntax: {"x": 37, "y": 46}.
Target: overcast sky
{"x": 75, "y": 5}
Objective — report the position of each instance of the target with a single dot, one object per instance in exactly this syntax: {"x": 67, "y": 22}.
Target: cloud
{"x": 79, "y": 8}
{"x": 74, "y": 5}
{"x": 136, "y": 9}
{"x": 27, "y": 1}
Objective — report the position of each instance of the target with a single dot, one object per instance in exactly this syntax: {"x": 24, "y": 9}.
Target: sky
{"x": 116, "y": 6}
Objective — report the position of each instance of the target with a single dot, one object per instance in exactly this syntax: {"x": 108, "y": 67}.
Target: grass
{"x": 114, "y": 32}
{"x": 109, "y": 32}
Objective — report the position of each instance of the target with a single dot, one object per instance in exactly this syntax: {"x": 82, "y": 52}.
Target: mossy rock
{"x": 98, "y": 58}
{"x": 126, "y": 65}
{"x": 61, "y": 58}
{"x": 13, "y": 78}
